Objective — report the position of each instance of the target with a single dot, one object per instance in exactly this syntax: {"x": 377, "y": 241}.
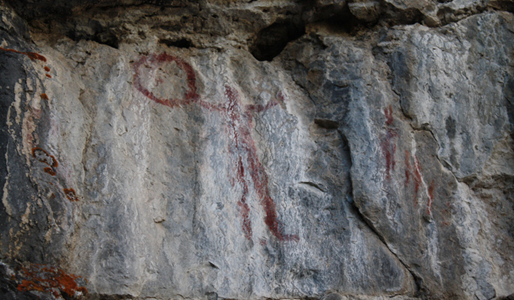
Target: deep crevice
{"x": 270, "y": 41}
{"x": 326, "y": 123}
{"x": 361, "y": 217}
{"x": 106, "y": 38}
{"x": 179, "y": 43}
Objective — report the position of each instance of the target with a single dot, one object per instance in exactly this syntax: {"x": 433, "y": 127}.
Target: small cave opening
{"x": 270, "y": 41}
{"x": 180, "y": 43}
{"x": 105, "y": 38}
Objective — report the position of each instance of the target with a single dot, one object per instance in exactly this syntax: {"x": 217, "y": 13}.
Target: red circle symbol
{"x": 148, "y": 65}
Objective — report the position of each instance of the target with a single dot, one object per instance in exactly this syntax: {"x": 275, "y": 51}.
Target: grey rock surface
{"x": 257, "y": 149}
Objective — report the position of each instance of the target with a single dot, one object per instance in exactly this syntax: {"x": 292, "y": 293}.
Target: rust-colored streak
{"x": 430, "y": 197}
{"x": 47, "y": 69}
{"x": 43, "y": 156}
{"x": 48, "y": 75}
{"x": 51, "y": 280}
{"x": 70, "y": 194}
{"x": 155, "y": 61}
{"x": 31, "y": 55}
{"x": 49, "y": 171}
{"x": 44, "y": 96}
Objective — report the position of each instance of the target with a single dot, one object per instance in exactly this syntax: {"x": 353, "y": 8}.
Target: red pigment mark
{"x": 153, "y": 62}
{"x": 48, "y": 279}
{"x": 389, "y": 151}
{"x": 430, "y": 197}
{"x": 239, "y": 128}
{"x": 48, "y": 75}
{"x": 47, "y": 69}
{"x": 44, "y": 157}
{"x": 389, "y": 115}
{"x": 49, "y": 171}
{"x": 245, "y": 209}
{"x": 70, "y": 194}
{"x": 44, "y": 96}
{"x": 31, "y": 55}
{"x": 387, "y": 144}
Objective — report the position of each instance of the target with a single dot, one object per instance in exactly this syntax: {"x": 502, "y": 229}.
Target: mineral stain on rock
{"x": 43, "y": 156}
{"x": 70, "y": 194}
{"x": 31, "y": 55}
{"x": 49, "y": 279}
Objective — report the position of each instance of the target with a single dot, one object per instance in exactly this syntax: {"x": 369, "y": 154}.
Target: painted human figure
{"x": 239, "y": 126}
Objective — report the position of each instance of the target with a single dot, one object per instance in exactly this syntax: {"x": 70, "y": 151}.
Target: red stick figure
{"x": 238, "y": 128}
{"x": 388, "y": 144}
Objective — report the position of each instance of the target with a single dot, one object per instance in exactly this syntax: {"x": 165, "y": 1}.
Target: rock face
{"x": 257, "y": 149}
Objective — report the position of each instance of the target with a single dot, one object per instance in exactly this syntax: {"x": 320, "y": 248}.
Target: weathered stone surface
{"x": 165, "y": 150}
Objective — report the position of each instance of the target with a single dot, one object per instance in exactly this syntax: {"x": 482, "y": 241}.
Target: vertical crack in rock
{"x": 369, "y": 223}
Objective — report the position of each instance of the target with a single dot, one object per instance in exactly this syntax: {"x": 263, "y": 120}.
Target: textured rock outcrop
{"x": 257, "y": 149}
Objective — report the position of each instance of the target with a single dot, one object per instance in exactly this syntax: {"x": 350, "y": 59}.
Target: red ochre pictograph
{"x": 49, "y": 279}
{"x": 247, "y": 166}
{"x": 413, "y": 171}
{"x": 388, "y": 144}
{"x": 44, "y": 96}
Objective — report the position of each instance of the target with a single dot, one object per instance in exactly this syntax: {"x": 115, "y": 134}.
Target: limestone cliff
{"x": 257, "y": 149}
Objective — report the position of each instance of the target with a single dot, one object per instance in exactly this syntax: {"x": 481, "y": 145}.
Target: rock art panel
{"x": 238, "y": 129}
{"x": 386, "y": 174}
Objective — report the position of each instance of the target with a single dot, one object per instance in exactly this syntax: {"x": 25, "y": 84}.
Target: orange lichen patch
{"x": 48, "y": 75}
{"x": 44, "y": 96}
{"x": 70, "y": 194}
{"x": 44, "y": 157}
{"x": 47, "y": 69}
{"x": 49, "y": 171}
{"x": 31, "y": 55}
{"x": 48, "y": 279}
